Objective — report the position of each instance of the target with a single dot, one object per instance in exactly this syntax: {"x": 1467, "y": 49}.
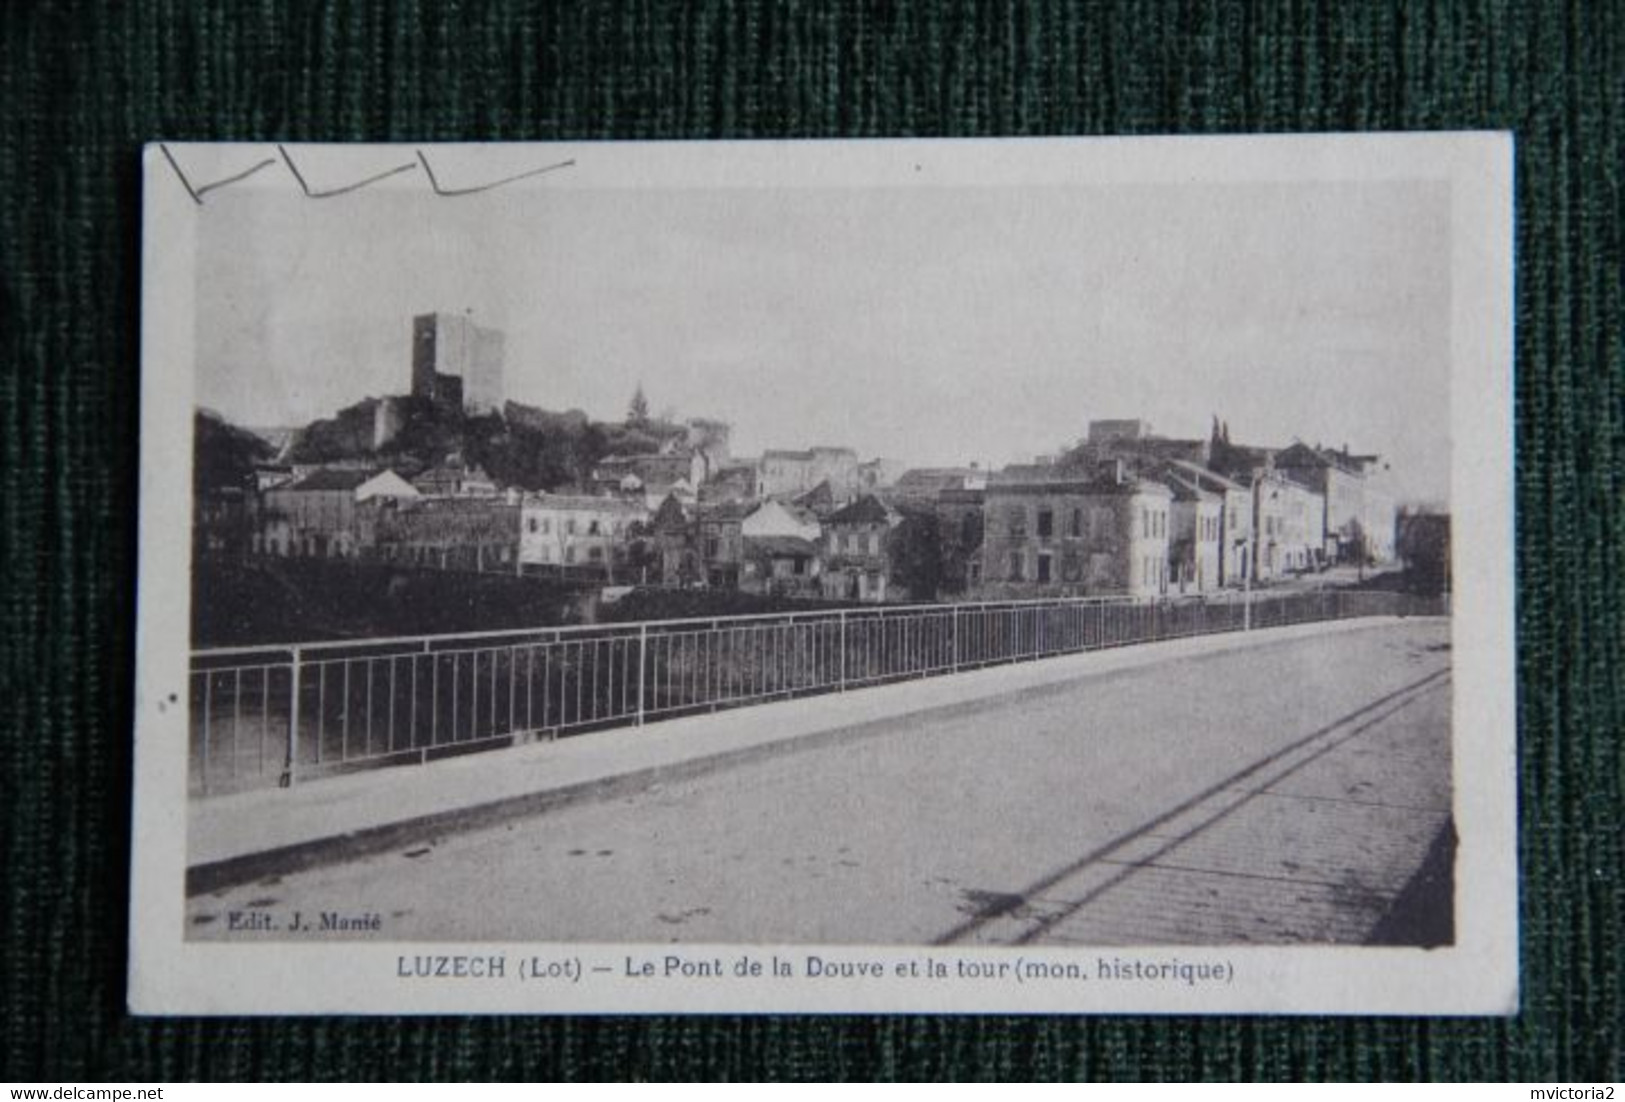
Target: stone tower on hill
{"x": 457, "y": 363}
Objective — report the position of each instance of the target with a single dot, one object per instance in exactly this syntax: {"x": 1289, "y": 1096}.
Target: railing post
{"x": 286, "y": 780}
{"x": 843, "y": 650}
{"x": 956, "y": 637}
{"x": 643, "y": 651}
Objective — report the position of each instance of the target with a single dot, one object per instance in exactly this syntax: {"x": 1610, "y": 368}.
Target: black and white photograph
{"x": 1049, "y": 575}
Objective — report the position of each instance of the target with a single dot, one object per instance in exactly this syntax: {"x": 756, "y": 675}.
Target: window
{"x": 570, "y": 526}
{"x": 532, "y": 525}
{"x": 1046, "y": 523}
{"x": 1017, "y": 520}
{"x": 1145, "y": 522}
{"x": 1043, "y": 565}
{"x": 592, "y": 528}
{"x": 547, "y": 525}
{"x": 595, "y": 554}
{"x": 570, "y": 553}
{"x": 1017, "y": 566}
{"x": 1077, "y": 523}
{"x": 711, "y": 547}
{"x": 874, "y": 543}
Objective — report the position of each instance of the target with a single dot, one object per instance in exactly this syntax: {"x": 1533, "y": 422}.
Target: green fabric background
{"x": 82, "y": 84}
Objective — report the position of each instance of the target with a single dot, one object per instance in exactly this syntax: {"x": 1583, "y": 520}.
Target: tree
{"x": 224, "y": 455}
{"x": 637, "y": 413}
{"x": 917, "y": 556}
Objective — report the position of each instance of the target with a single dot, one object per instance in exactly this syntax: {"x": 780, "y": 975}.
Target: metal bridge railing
{"x": 263, "y": 716}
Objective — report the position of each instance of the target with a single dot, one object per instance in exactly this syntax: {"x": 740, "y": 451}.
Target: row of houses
{"x": 444, "y": 521}
{"x": 696, "y": 466}
{"x": 1125, "y": 512}
{"x": 379, "y": 515}
{"x": 1130, "y": 511}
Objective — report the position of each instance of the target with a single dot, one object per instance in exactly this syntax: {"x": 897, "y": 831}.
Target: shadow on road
{"x": 1424, "y": 912}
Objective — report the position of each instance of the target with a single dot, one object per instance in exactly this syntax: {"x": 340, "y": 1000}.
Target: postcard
{"x": 1042, "y": 576}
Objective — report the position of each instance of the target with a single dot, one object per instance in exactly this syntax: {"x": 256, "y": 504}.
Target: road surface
{"x": 1285, "y": 793}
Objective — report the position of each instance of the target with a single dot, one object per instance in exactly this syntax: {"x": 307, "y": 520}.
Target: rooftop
{"x": 329, "y": 479}
{"x": 724, "y": 511}
{"x": 783, "y": 547}
{"x": 1096, "y": 487}
{"x": 1202, "y": 476}
{"x": 582, "y": 501}
{"x": 868, "y": 509}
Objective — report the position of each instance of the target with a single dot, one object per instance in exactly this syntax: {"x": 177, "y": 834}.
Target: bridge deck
{"x": 1277, "y": 787}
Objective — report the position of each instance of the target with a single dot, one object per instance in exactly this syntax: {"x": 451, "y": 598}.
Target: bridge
{"x": 1274, "y": 783}
{"x": 281, "y": 715}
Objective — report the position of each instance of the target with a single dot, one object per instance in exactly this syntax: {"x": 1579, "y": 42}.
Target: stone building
{"x": 737, "y": 480}
{"x": 563, "y": 531}
{"x": 721, "y": 542}
{"x": 1106, "y": 535}
{"x": 326, "y": 513}
{"x": 1235, "y": 521}
{"x": 1291, "y": 520}
{"x": 451, "y": 533}
{"x": 1359, "y": 512}
{"x": 654, "y": 475}
{"x": 455, "y": 478}
{"x": 457, "y": 363}
{"x": 786, "y": 473}
{"x": 857, "y": 562}
{"x": 1195, "y": 537}
{"x": 781, "y": 566}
